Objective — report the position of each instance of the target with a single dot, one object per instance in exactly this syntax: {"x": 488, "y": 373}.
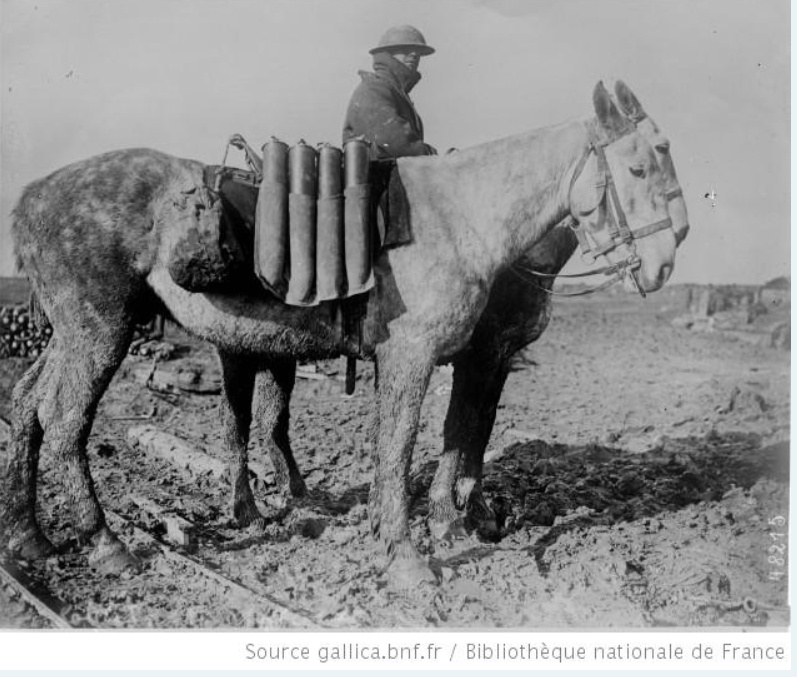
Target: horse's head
{"x": 661, "y": 145}
{"x": 618, "y": 198}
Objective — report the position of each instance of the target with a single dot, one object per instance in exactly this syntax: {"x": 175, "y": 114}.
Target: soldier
{"x": 380, "y": 108}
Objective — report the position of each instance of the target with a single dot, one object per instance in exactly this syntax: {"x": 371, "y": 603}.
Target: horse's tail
{"x": 22, "y": 222}
{"x": 24, "y": 218}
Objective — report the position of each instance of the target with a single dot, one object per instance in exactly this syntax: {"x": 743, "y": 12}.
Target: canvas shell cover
{"x": 203, "y": 256}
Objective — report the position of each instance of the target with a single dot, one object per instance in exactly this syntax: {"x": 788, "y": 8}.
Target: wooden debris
{"x": 174, "y": 450}
{"x": 183, "y": 455}
{"x": 183, "y": 376}
{"x": 178, "y": 530}
{"x": 310, "y": 372}
{"x": 20, "y": 335}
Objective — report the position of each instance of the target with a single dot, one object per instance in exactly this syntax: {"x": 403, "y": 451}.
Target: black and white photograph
{"x": 395, "y": 315}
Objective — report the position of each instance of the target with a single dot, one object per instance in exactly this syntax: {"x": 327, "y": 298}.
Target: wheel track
{"x": 45, "y": 605}
{"x": 228, "y": 588}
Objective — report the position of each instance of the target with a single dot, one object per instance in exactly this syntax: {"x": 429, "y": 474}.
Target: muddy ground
{"x": 639, "y": 471}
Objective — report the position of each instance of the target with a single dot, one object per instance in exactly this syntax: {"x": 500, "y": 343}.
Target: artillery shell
{"x": 329, "y": 174}
{"x": 356, "y": 161}
{"x": 302, "y": 164}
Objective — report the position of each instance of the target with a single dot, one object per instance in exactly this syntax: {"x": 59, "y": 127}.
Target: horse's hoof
{"x": 31, "y": 544}
{"x": 448, "y": 530}
{"x": 247, "y": 515}
{"x": 482, "y": 519}
{"x": 258, "y": 525}
{"x": 110, "y": 555}
{"x": 411, "y": 574}
{"x": 298, "y": 489}
{"x": 488, "y": 530}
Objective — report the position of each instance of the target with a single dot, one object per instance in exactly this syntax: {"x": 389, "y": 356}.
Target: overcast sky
{"x": 80, "y": 77}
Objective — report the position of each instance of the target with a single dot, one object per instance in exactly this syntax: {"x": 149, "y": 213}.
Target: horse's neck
{"x": 502, "y": 197}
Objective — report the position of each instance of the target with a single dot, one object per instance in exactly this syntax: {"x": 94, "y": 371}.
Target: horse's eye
{"x": 638, "y": 171}
{"x": 663, "y": 147}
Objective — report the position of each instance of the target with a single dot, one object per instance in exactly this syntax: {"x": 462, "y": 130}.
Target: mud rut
{"x": 639, "y": 473}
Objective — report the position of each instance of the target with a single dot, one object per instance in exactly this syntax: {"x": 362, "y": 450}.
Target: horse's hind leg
{"x": 238, "y": 377}
{"x": 81, "y": 372}
{"x": 274, "y": 387}
{"x": 275, "y": 382}
{"x": 478, "y": 382}
{"x": 19, "y": 479}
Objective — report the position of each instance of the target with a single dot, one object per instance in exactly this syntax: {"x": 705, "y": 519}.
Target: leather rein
{"x": 611, "y": 213}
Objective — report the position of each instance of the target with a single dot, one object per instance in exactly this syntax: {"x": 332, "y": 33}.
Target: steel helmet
{"x": 403, "y": 36}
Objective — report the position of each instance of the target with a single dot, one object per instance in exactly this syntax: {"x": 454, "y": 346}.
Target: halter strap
{"x": 619, "y": 230}
{"x": 674, "y": 193}
{"x": 616, "y": 270}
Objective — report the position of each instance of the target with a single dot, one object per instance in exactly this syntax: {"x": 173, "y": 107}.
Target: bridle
{"x": 670, "y": 195}
{"x": 612, "y": 215}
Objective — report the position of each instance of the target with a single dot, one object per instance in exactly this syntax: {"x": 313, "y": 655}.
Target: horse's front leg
{"x": 478, "y": 382}
{"x": 404, "y": 371}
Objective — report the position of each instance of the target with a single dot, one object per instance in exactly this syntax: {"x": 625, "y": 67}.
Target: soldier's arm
{"x": 393, "y": 134}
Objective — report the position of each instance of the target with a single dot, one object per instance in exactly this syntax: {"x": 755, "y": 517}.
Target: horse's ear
{"x": 628, "y": 102}
{"x": 608, "y": 115}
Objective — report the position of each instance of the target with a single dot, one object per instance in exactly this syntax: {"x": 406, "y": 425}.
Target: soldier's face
{"x": 409, "y": 58}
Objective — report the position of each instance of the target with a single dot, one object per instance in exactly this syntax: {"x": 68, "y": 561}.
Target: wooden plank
{"x": 176, "y": 451}
{"x": 182, "y": 454}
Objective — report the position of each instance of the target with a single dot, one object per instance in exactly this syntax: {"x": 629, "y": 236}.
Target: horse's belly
{"x": 251, "y": 324}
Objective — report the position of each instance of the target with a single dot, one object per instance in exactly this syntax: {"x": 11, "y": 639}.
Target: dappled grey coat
{"x": 381, "y": 110}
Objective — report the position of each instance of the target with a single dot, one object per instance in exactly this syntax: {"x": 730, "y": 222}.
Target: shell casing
{"x": 329, "y": 171}
{"x": 356, "y": 154}
{"x": 302, "y": 169}
{"x": 275, "y": 161}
